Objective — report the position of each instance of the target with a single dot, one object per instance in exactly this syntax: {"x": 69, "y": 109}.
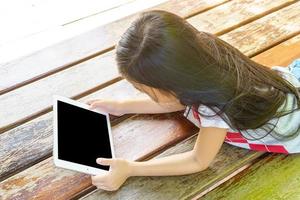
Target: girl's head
{"x": 164, "y": 56}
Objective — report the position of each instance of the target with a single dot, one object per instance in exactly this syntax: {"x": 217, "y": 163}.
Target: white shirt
{"x": 286, "y": 124}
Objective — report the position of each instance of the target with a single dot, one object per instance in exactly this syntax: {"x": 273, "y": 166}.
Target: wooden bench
{"x": 266, "y": 31}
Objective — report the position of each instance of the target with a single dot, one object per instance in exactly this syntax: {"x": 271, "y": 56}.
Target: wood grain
{"x": 288, "y": 51}
{"x": 32, "y": 141}
{"x": 27, "y": 149}
{"x": 80, "y": 48}
{"x": 26, "y": 187}
{"x": 27, "y": 134}
{"x": 274, "y": 177}
{"x": 190, "y": 186}
{"x": 136, "y": 139}
{"x": 183, "y": 186}
{"x": 284, "y": 21}
{"x": 231, "y": 15}
{"x": 73, "y": 81}
{"x": 72, "y": 78}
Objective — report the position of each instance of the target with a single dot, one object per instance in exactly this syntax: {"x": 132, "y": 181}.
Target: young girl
{"x": 227, "y": 95}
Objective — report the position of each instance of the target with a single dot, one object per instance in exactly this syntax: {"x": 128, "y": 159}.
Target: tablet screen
{"x": 83, "y": 135}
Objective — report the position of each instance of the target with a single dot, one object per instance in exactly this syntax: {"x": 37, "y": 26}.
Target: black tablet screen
{"x": 82, "y": 135}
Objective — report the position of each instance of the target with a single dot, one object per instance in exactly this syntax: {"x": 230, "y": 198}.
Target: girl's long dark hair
{"x": 163, "y": 51}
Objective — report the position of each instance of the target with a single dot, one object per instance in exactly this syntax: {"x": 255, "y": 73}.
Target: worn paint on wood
{"x": 135, "y": 139}
{"x": 229, "y": 16}
{"x": 283, "y": 22}
{"x": 70, "y": 82}
{"x": 274, "y": 177}
{"x": 75, "y": 189}
{"x": 15, "y": 162}
{"x": 288, "y": 51}
{"x": 32, "y": 141}
{"x": 103, "y": 59}
{"x": 172, "y": 191}
{"x": 183, "y": 186}
{"x": 41, "y": 182}
{"x": 74, "y": 83}
{"x": 71, "y": 51}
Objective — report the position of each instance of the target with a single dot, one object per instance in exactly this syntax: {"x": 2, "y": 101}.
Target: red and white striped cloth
{"x": 287, "y": 123}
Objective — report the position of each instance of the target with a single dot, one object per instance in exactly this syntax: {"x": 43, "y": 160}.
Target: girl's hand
{"x": 109, "y": 106}
{"x": 115, "y": 177}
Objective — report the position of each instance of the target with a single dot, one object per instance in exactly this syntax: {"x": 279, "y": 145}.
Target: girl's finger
{"x": 96, "y": 104}
{"x": 104, "y": 188}
{"x": 101, "y": 186}
{"x": 90, "y": 101}
{"x": 92, "y": 105}
{"x": 99, "y": 179}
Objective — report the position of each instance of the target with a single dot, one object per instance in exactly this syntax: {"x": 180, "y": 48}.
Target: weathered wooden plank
{"x": 161, "y": 131}
{"x": 179, "y": 187}
{"x": 102, "y": 71}
{"x": 62, "y": 177}
{"x": 27, "y": 133}
{"x": 70, "y": 82}
{"x": 67, "y": 53}
{"x": 287, "y": 50}
{"x": 285, "y": 22}
{"x": 188, "y": 186}
{"x": 231, "y": 15}
{"x": 274, "y": 177}
{"x": 37, "y": 16}
{"x": 33, "y": 140}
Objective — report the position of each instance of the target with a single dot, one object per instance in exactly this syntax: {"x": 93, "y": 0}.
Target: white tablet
{"x": 80, "y": 136}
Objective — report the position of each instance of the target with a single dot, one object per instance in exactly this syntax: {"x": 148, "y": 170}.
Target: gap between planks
{"x": 88, "y": 57}
{"x": 87, "y": 92}
{"x": 231, "y": 175}
{"x": 41, "y": 112}
{"x": 102, "y": 87}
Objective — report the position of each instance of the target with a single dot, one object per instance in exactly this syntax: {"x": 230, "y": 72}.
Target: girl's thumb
{"x": 104, "y": 161}
{"x": 97, "y": 103}
{"x": 93, "y": 105}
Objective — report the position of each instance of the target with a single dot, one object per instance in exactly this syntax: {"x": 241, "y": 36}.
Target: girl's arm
{"x": 148, "y": 106}
{"x": 208, "y": 144}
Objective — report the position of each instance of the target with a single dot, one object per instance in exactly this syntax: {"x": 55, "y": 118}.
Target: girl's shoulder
{"x": 199, "y": 118}
{"x": 288, "y": 122}
{"x": 212, "y": 119}
{"x": 205, "y": 117}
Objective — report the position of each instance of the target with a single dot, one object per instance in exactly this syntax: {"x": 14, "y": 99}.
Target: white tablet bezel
{"x": 71, "y": 165}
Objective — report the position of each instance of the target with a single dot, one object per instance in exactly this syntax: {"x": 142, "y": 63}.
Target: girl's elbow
{"x": 202, "y": 164}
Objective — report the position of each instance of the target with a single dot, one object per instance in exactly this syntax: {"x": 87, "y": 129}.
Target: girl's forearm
{"x": 147, "y": 106}
{"x": 178, "y": 164}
